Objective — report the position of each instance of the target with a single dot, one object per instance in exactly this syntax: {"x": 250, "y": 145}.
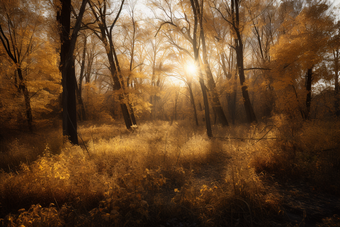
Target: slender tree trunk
{"x": 118, "y": 86}
{"x": 232, "y": 97}
{"x": 153, "y": 84}
{"x": 80, "y": 102}
{"x": 236, "y": 30}
{"x": 106, "y": 37}
{"x": 175, "y": 107}
{"x": 126, "y": 114}
{"x": 193, "y": 101}
{"x": 233, "y": 107}
{"x": 133, "y": 119}
{"x": 195, "y": 45}
{"x": 79, "y": 87}
{"x": 246, "y": 100}
{"x": 131, "y": 65}
{"x": 336, "y": 80}
{"x": 216, "y": 104}
{"x": 206, "y": 107}
{"x": 309, "y": 91}
{"x": 303, "y": 113}
{"x": 27, "y": 98}
{"x": 132, "y": 113}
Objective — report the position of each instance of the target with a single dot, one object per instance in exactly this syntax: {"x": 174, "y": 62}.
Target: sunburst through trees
{"x": 96, "y": 128}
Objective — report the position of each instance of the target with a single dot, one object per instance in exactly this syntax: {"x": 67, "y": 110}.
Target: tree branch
{"x": 7, "y": 47}
{"x": 114, "y": 22}
{"x": 257, "y": 68}
{"x": 167, "y": 22}
{"x": 75, "y": 34}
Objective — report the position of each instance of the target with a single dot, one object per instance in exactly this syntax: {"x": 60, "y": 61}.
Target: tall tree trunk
{"x": 195, "y": 45}
{"x": 106, "y": 37}
{"x": 309, "y": 91}
{"x": 64, "y": 19}
{"x": 216, "y": 104}
{"x": 233, "y": 107}
{"x": 193, "y": 101}
{"x": 133, "y": 118}
{"x": 336, "y": 80}
{"x": 27, "y": 98}
{"x": 206, "y": 107}
{"x": 236, "y": 30}
{"x": 71, "y": 103}
{"x": 175, "y": 107}
{"x": 79, "y": 93}
{"x": 132, "y": 113}
{"x": 16, "y": 56}
{"x": 153, "y": 84}
{"x": 117, "y": 87}
{"x": 67, "y": 67}
{"x": 246, "y": 100}
{"x": 118, "y": 75}
{"x": 80, "y": 84}
{"x": 232, "y": 97}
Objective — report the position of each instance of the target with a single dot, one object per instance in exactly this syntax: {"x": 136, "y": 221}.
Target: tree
{"x": 184, "y": 70}
{"x": 191, "y": 32}
{"x": 133, "y": 41}
{"x": 68, "y": 42}
{"x": 230, "y": 12}
{"x": 226, "y": 63}
{"x": 30, "y": 58}
{"x": 104, "y": 33}
{"x": 12, "y": 42}
{"x": 335, "y": 49}
{"x": 156, "y": 57}
{"x": 198, "y": 19}
{"x": 301, "y": 48}
{"x": 265, "y": 23}
{"x": 81, "y": 77}
{"x": 221, "y": 118}
{"x": 87, "y": 56}
{"x": 132, "y": 56}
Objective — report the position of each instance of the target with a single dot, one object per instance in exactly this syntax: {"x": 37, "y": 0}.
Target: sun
{"x": 191, "y": 68}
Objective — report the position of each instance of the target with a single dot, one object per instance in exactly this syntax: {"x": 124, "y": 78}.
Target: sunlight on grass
{"x": 150, "y": 176}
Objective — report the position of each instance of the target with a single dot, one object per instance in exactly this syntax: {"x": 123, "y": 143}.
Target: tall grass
{"x": 310, "y": 152}
{"x": 156, "y": 175}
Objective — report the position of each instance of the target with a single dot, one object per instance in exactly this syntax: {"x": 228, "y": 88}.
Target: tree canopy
{"x": 129, "y": 60}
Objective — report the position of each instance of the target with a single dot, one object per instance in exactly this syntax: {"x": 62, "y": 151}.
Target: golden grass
{"x": 311, "y": 153}
{"x": 157, "y": 174}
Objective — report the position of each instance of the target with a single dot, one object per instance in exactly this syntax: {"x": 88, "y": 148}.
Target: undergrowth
{"x": 309, "y": 152}
{"x": 156, "y": 175}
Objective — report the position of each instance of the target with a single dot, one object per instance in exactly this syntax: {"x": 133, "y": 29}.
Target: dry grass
{"x": 157, "y": 175}
{"x": 310, "y": 153}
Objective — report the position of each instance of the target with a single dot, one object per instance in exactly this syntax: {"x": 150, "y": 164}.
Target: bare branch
{"x": 114, "y": 22}
{"x": 257, "y": 68}
{"x": 7, "y": 45}
{"x": 167, "y": 22}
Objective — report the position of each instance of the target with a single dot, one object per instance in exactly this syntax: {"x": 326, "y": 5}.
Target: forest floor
{"x": 306, "y": 207}
{"x": 301, "y": 204}
{"x": 172, "y": 175}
